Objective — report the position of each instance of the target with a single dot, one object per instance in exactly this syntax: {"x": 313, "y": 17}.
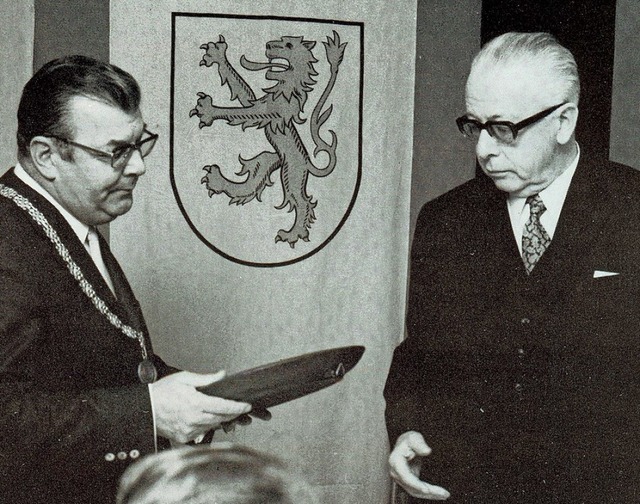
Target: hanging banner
{"x": 273, "y": 219}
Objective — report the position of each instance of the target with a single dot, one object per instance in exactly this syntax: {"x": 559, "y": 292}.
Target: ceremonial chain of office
{"x": 73, "y": 268}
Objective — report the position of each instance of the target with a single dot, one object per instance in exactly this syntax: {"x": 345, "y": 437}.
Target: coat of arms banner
{"x": 273, "y": 219}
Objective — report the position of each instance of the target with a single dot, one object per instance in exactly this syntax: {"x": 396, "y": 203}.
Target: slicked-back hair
{"x": 540, "y": 50}
{"x": 44, "y": 105}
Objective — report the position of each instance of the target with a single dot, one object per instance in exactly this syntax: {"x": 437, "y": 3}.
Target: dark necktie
{"x": 535, "y": 238}
{"x": 122, "y": 290}
{"x": 92, "y": 243}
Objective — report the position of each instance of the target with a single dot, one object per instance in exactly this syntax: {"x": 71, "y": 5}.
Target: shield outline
{"x": 356, "y": 188}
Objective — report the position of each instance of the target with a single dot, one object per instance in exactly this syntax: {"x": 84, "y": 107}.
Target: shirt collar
{"x": 79, "y": 228}
{"x": 554, "y": 195}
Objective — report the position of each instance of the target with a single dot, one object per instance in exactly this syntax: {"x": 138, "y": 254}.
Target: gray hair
{"x": 222, "y": 475}
{"x": 541, "y": 50}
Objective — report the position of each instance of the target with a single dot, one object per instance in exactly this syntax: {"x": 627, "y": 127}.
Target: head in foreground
{"x": 228, "y": 474}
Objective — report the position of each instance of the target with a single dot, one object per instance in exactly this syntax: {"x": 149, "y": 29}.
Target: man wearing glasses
{"x": 81, "y": 392}
{"x": 518, "y": 380}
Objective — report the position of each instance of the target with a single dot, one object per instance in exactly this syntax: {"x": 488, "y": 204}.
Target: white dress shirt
{"x": 553, "y": 198}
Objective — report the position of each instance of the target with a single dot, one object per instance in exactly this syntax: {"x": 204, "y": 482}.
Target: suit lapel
{"x": 499, "y": 237}
{"x": 126, "y": 300}
{"x": 582, "y": 218}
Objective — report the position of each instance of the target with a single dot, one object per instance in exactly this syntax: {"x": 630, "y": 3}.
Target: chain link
{"x": 73, "y": 268}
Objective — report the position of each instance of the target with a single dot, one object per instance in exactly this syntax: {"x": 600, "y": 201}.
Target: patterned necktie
{"x": 535, "y": 239}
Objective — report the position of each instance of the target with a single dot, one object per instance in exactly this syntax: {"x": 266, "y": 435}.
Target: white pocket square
{"x": 601, "y": 274}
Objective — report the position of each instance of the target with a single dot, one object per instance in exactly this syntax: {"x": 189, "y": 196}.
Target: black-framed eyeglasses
{"x": 122, "y": 154}
{"x": 504, "y": 131}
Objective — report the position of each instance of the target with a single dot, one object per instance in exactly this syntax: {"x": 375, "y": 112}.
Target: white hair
{"x": 539, "y": 50}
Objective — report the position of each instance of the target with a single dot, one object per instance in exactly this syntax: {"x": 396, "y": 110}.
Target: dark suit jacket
{"x": 70, "y": 398}
{"x": 526, "y": 387}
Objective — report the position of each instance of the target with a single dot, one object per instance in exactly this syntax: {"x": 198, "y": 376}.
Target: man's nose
{"x": 136, "y": 165}
{"x": 486, "y": 145}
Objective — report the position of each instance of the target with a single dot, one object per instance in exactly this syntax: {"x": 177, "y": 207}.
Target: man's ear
{"x": 45, "y": 156}
{"x": 568, "y": 119}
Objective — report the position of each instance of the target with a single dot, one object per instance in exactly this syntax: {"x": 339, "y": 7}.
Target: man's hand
{"x": 183, "y": 414}
{"x": 404, "y": 466}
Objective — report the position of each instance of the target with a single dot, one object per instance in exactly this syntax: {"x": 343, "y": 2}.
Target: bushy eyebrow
{"x": 492, "y": 118}
{"x": 122, "y": 143}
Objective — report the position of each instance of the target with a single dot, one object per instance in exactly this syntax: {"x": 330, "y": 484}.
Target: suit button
{"x": 134, "y": 454}
{"x": 122, "y": 455}
{"x": 518, "y": 387}
{"x": 525, "y": 321}
{"x": 109, "y": 457}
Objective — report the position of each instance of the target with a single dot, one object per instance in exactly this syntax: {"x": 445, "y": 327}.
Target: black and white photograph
{"x": 320, "y": 252}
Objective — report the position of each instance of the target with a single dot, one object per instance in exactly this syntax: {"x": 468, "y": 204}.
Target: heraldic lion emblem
{"x": 290, "y": 63}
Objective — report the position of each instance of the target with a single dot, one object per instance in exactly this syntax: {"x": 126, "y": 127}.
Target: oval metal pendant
{"x": 147, "y": 371}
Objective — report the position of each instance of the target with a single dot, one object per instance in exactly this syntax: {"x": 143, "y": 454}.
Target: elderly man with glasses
{"x": 518, "y": 379}
{"x": 81, "y": 392}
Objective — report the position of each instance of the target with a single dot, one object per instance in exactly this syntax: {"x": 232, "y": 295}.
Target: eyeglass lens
{"x": 122, "y": 156}
{"x": 503, "y": 132}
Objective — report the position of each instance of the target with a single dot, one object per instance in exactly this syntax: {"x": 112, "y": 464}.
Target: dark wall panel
{"x": 70, "y": 27}
{"x": 448, "y": 35}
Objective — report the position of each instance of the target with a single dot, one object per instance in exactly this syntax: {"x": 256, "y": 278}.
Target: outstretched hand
{"x": 182, "y": 413}
{"x": 405, "y": 462}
